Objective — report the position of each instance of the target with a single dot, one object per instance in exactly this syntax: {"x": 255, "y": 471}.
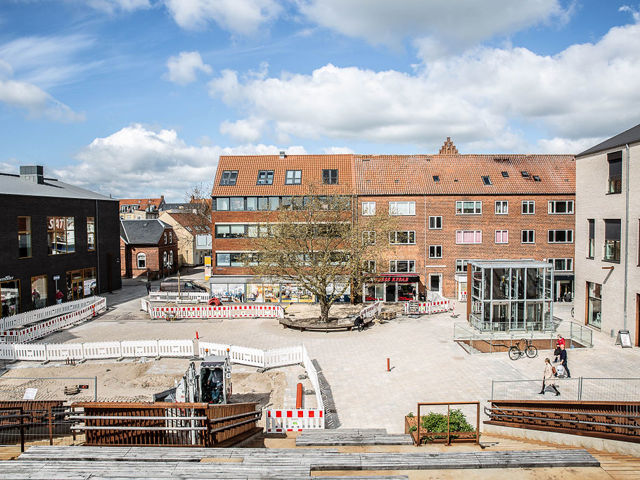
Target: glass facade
{"x": 39, "y": 291}
{"x": 10, "y": 297}
{"x": 508, "y": 296}
{"x": 594, "y": 307}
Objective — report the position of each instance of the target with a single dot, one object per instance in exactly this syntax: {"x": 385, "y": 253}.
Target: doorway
{"x": 435, "y": 285}
{"x": 500, "y": 316}
{"x": 390, "y": 292}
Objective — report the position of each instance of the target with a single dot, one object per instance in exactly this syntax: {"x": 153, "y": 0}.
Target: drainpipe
{"x": 97, "y": 244}
{"x": 626, "y": 235}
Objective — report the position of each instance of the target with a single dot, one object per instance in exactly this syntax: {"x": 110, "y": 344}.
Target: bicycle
{"x": 515, "y": 352}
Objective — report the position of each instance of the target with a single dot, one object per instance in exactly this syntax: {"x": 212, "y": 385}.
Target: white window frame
{"x": 411, "y": 266}
{"x": 502, "y": 207}
{"x": 393, "y": 237}
{"x": 527, "y": 242}
{"x": 502, "y": 234}
{"x": 293, "y": 177}
{"x": 461, "y": 263}
{"x": 475, "y": 235}
{"x": 552, "y": 207}
{"x": 141, "y": 256}
{"x": 434, "y": 221}
{"x": 529, "y": 203}
{"x": 477, "y": 207}
{"x": 368, "y": 209}
{"x": 434, "y": 250}
{"x": 371, "y": 263}
{"x": 566, "y": 261}
{"x": 552, "y": 233}
{"x": 395, "y": 211}
{"x": 369, "y": 237}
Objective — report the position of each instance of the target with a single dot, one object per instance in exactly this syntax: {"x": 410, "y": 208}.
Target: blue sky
{"x": 140, "y": 97}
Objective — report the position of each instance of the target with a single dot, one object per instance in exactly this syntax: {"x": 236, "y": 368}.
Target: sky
{"x": 139, "y": 98}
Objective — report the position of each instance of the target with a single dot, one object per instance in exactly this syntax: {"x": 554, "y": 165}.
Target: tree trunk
{"x": 324, "y": 310}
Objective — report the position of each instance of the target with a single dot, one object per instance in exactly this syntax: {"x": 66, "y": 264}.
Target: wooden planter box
{"x": 435, "y": 437}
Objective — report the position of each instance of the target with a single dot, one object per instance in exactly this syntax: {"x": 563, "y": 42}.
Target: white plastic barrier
{"x": 202, "y": 297}
{"x": 101, "y": 350}
{"x": 225, "y": 311}
{"x": 140, "y": 348}
{"x": 283, "y": 356}
{"x": 175, "y": 348}
{"x": 312, "y": 373}
{"x": 371, "y": 310}
{"x": 247, "y": 356}
{"x": 64, "y": 351}
{"x": 438, "y": 306}
{"x": 293, "y": 420}
{"x": 44, "y": 313}
{"x": 30, "y": 352}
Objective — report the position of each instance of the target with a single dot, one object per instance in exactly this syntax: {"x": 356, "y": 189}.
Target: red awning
{"x": 398, "y": 278}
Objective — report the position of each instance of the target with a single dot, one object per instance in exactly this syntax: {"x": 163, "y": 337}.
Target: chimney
{"x": 283, "y": 154}
{"x": 32, "y": 173}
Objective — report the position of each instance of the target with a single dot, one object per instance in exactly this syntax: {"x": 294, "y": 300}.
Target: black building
{"x": 55, "y": 237}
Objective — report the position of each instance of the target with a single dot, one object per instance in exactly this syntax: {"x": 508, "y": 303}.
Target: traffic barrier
{"x": 437, "y": 306}
{"x": 40, "y": 314}
{"x": 225, "y": 311}
{"x": 64, "y": 351}
{"x": 140, "y": 348}
{"x": 247, "y": 356}
{"x": 207, "y": 348}
{"x": 175, "y": 348}
{"x": 283, "y": 356}
{"x": 293, "y": 420}
{"x": 30, "y": 352}
{"x": 101, "y": 350}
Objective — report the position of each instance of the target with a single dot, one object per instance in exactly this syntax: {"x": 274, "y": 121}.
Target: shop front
{"x": 10, "y": 296}
{"x": 392, "y": 288}
{"x": 81, "y": 283}
{"x": 461, "y": 287}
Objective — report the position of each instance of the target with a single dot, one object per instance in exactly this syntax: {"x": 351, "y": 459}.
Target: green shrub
{"x": 413, "y": 429}
{"x": 410, "y": 415}
{"x": 437, "y": 423}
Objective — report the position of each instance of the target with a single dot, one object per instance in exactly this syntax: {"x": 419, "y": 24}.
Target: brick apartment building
{"x": 141, "y": 208}
{"x": 450, "y": 208}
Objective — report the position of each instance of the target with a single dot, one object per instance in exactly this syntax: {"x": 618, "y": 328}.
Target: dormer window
{"x": 486, "y": 180}
{"x": 330, "y": 177}
{"x": 505, "y": 174}
{"x": 229, "y": 177}
{"x": 293, "y": 177}
{"x": 265, "y": 177}
{"x": 436, "y": 178}
{"x": 525, "y": 174}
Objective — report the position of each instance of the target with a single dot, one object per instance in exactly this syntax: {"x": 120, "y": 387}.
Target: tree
{"x": 315, "y": 242}
{"x": 199, "y": 199}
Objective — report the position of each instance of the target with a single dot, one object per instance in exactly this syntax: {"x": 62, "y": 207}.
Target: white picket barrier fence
{"x": 438, "y": 306}
{"x": 224, "y": 311}
{"x": 140, "y": 348}
{"x": 30, "y": 352}
{"x": 40, "y": 314}
{"x": 247, "y": 356}
{"x": 207, "y": 348}
{"x": 64, "y": 351}
{"x": 175, "y": 348}
{"x": 279, "y": 357}
{"x": 98, "y": 350}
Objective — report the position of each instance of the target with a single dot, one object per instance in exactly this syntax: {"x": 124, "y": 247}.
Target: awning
{"x": 398, "y": 278}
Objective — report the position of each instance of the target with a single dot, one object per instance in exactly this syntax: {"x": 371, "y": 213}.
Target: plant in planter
{"x": 437, "y": 423}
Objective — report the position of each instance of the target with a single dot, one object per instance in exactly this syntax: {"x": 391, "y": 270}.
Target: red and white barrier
{"x": 439, "y": 306}
{"x": 225, "y": 311}
{"x": 293, "y": 420}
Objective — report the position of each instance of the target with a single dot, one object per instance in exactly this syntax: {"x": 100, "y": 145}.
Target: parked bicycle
{"x": 515, "y": 352}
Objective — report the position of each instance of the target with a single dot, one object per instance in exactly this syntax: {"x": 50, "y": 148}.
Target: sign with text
{"x": 30, "y": 393}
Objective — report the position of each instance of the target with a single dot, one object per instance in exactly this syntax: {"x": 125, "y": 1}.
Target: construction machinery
{"x": 209, "y": 382}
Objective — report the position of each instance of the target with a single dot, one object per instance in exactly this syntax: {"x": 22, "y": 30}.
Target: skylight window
{"x": 525, "y": 174}
{"x": 486, "y": 180}
{"x": 436, "y": 178}
{"x": 536, "y": 178}
{"x": 505, "y": 174}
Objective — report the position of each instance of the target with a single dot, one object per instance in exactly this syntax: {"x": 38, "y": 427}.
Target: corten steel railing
{"x": 421, "y": 433}
{"x": 29, "y": 421}
{"x": 609, "y": 420}
{"x": 163, "y": 424}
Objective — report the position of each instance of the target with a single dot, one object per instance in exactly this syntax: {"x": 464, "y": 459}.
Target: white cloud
{"x": 585, "y": 91}
{"x": 337, "y": 150}
{"x": 244, "y": 130}
{"x": 450, "y": 24}
{"x": 36, "y": 101}
{"x": 566, "y": 145}
{"x": 112, "y": 6}
{"x": 183, "y": 68}
{"x": 139, "y": 161}
{"x": 236, "y": 16}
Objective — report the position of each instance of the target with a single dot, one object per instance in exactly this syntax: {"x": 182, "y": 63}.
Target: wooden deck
{"x": 342, "y": 437}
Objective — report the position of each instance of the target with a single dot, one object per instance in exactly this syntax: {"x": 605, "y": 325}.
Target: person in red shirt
{"x": 59, "y": 296}
{"x": 560, "y": 344}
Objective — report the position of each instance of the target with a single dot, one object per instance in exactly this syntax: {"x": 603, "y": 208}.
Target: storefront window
{"x": 406, "y": 292}
{"x": 10, "y": 296}
{"x": 257, "y": 292}
{"x": 91, "y": 233}
{"x": 594, "y": 310}
{"x": 24, "y": 237}
{"x": 374, "y": 293}
{"x": 61, "y": 235}
{"x": 81, "y": 283}
{"x": 39, "y": 291}
{"x": 89, "y": 282}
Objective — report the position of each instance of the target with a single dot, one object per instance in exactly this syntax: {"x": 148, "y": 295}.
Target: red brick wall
{"x": 154, "y": 253}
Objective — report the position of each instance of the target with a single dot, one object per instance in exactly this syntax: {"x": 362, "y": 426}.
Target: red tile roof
{"x": 311, "y": 166}
{"x": 142, "y": 203}
{"x": 191, "y": 221}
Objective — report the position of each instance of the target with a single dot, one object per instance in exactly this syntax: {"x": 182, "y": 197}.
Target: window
{"x": 368, "y": 208}
{"x": 402, "y": 208}
{"x": 10, "y": 297}
{"x": 165, "y": 238}
{"x": 142, "y": 260}
{"x": 263, "y": 203}
{"x": 170, "y": 237}
{"x": 524, "y": 173}
{"x": 560, "y": 207}
{"x": 468, "y": 237}
{"x": 561, "y": 264}
{"x": 502, "y": 207}
{"x": 265, "y": 177}
{"x": 61, "y": 235}
{"x": 39, "y": 291}
{"x": 330, "y": 177}
{"x": 402, "y": 238}
{"x": 171, "y": 258}
{"x": 536, "y": 178}
{"x": 435, "y": 223}
{"x": 486, "y": 180}
{"x": 230, "y": 231}
{"x": 369, "y": 238}
{"x": 468, "y": 208}
{"x": 236, "y": 204}
{"x": 293, "y": 177}
{"x": 24, "y": 237}
{"x": 505, "y": 174}
{"x": 370, "y": 266}
{"x": 274, "y": 203}
{"x": 502, "y": 236}
{"x": 222, "y": 203}
{"x": 436, "y": 178}
{"x": 230, "y": 259}
{"x": 229, "y": 177}
{"x": 560, "y": 236}
{"x": 528, "y": 207}
{"x": 611, "y": 240}
{"x": 402, "y": 266}
{"x": 528, "y": 236}
{"x": 164, "y": 259}
{"x": 435, "y": 251}
{"x": 91, "y": 233}
{"x": 461, "y": 265}
{"x": 594, "y": 305}
{"x": 615, "y": 172}
{"x": 591, "y": 245}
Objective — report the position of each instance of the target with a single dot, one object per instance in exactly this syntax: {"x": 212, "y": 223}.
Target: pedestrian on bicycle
{"x": 563, "y": 359}
{"x": 548, "y": 377}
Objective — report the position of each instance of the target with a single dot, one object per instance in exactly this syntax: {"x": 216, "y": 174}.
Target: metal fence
{"x": 24, "y": 422}
{"x": 575, "y": 389}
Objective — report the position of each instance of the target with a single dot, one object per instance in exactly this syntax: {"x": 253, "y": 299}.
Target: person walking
{"x": 560, "y": 342}
{"x": 548, "y": 377}
{"x": 563, "y": 360}
{"x": 148, "y": 287}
